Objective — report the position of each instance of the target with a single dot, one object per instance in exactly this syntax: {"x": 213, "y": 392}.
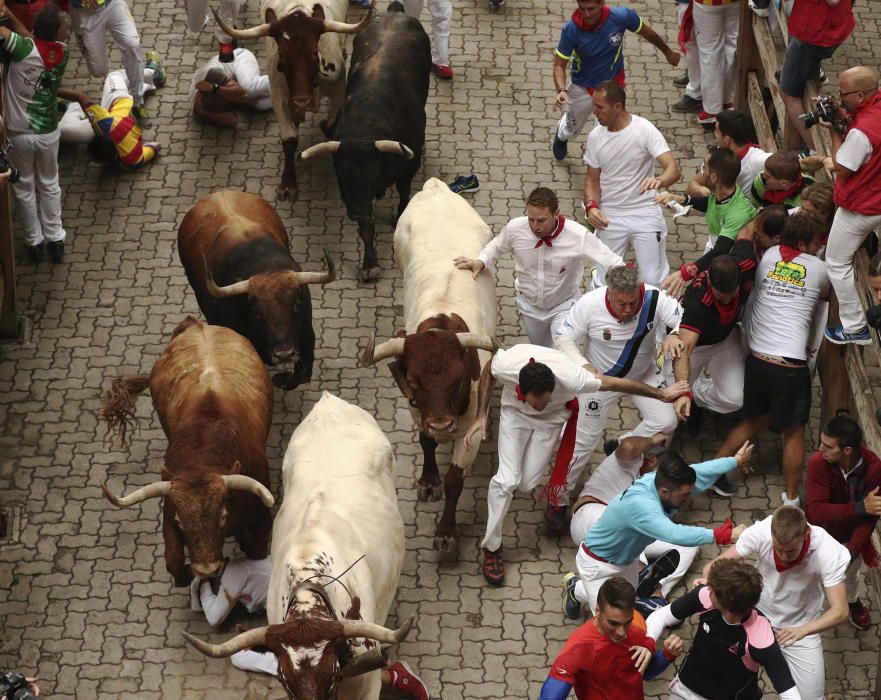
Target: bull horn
{"x": 160, "y": 488}
{"x": 396, "y": 147}
{"x": 240, "y": 482}
{"x": 328, "y": 148}
{"x": 329, "y": 275}
{"x": 252, "y": 33}
{"x": 252, "y": 638}
{"x": 481, "y": 342}
{"x": 331, "y": 25}
{"x": 372, "y": 354}
{"x": 369, "y": 630}
{"x": 365, "y": 663}
{"x": 229, "y": 290}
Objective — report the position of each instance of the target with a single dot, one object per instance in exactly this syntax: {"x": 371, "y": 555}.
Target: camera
{"x": 14, "y": 686}
{"x": 827, "y": 110}
{"x": 5, "y": 166}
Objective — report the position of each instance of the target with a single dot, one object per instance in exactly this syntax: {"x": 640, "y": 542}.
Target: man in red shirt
{"x": 842, "y": 494}
{"x": 606, "y": 657}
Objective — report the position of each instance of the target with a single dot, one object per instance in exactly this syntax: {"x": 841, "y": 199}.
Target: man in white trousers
{"x": 441, "y": 14}
{"x": 538, "y": 399}
{"x": 618, "y": 324}
{"x": 613, "y": 475}
{"x": 691, "y": 98}
{"x": 620, "y": 185}
{"x": 227, "y": 10}
{"x": 802, "y": 567}
{"x": 716, "y": 24}
{"x": 550, "y": 252}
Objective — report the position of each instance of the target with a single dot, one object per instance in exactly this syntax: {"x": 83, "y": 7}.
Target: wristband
{"x": 559, "y": 90}
{"x": 215, "y": 87}
{"x": 590, "y": 204}
{"x": 688, "y": 395}
{"x": 688, "y": 271}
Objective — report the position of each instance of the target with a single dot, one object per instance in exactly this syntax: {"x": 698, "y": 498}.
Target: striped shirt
{"x": 31, "y": 84}
{"x": 119, "y": 126}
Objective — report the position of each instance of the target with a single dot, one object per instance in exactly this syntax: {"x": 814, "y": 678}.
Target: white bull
{"x": 340, "y": 510}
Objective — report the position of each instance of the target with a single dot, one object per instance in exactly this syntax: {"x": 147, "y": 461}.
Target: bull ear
{"x": 270, "y": 15}
{"x": 401, "y": 334}
{"x": 317, "y": 11}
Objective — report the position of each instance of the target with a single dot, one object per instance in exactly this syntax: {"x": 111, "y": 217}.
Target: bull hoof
{"x": 183, "y": 580}
{"x": 368, "y": 274}
{"x": 284, "y": 195}
{"x": 447, "y": 544}
{"x": 429, "y": 491}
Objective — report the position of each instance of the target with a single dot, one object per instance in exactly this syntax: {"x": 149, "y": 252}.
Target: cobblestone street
{"x": 85, "y": 600}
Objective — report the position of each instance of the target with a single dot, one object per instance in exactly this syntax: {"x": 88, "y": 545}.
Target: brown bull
{"x": 214, "y": 400}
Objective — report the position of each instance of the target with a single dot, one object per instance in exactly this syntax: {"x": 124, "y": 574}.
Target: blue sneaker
{"x": 647, "y": 606}
{"x": 660, "y": 568}
{"x": 464, "y": 183}
{"x": 560, "y": 147}
{"x": 364, "y": 4}
{"x": 571, "y": 606}
{"x": 839, "y": 336}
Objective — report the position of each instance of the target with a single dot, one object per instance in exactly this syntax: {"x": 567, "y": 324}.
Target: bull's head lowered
{"x": 434, "y": 370}
{"x": 297, "y": 35}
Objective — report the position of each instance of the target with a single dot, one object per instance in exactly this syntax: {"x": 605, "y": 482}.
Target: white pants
{"x": 691, "y": 59}
{"x": 541, "y": 326}
{"x": 250, "y": 660}
{"x": 849, "y": 230}
{"x": 649, "y": 239}
{"x": 852, "y": 579}
{"x": 197, "y": 17}
{"x": 593, "y": 573}
{"x": 441, "y": 14}
{"x": 715, "y": 31}
{"x": 92, "y": 26}
{"x": 587, "y": 516}
{"x": 808, "y": 668}
{"x": 37, "y": 191}
{"x": 575, "y": 113}
{"x": 678, "y": 691}
{"x": 722, "y": 391}
{"x": 657, "y": 417}
{"x": 525, "y": 448}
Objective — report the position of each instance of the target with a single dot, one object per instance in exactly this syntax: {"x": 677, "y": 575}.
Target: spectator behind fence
{"x": 780, "y": 182}
{"x": 857, "y": 159}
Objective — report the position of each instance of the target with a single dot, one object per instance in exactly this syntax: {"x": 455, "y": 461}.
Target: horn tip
{"x": 366, "y": 357}
{"x": 110, "y": 497}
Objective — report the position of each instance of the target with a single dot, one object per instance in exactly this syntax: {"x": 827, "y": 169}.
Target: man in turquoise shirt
{"x": 643, "y": 513}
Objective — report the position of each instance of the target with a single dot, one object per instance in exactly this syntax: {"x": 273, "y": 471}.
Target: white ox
{"x": 306, "y": 61}
{"x": 339, "y": 506}
{"x": 442, "y": 357}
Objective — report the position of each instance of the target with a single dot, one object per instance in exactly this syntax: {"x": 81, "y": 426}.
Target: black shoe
{"x": 682, "y": 81}
{"x": 660, "y": 568}
{"x": 695, "y": 421}
{"x": 687, "y": 103}
{"x": 35, "y": 253}
{"x": 724, "y": 487}
{"x": 56, "y": 251}
{"x": 609, "y": 446}
{"x": 555, "y": 519}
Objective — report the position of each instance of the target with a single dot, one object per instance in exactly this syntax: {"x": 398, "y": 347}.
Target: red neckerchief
{"x": 787, "y": 253}
{"x": 548, "y": 240}
{"x": 52, "y": 52}
{"x": 556, "y": 485}
{"x": 798, "y": 560}
{"x": 686, "y": 29}
{"x": 741, "y": 154}
{"x": 519, "y": 392}
{"x": 780, "y": 196}
{"x": 578, "y": 18}
{"x": 609, "y": 306}
{"x": 727, "y": 312}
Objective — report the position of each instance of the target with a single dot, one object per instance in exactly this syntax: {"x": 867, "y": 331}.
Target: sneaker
{"x": 465, "y": 183}
{"x": 706, "y": 118}
{"x": 496, "y": 4}
{"x": 493, "y": 567}
{"x": 647, "y": 606}
{"x": 442, "y": 72}
{"x": 660, "y": 568}
{"x": 226, "y": 54}
{"x": 560, "y": 147}
{"x": 142, "y": 116}
{"x": 555, "y": 519}
{"x": 55, "y": 249}
{"x": 687, "y": 103}
{"x": 609, "y": 446}
{"x": 35, "y": 253}
{"x": 364, "y": 4}
{"x": 571, "y": 605}
{"x": 858, "y": 616}
{"x": 152, "y": 61}
{"x": 787, "y": 501}
{"x": 724, "y": 487}
{"x": 405, "y": 681}
{"x": 839, "y": 336}
{"x": 821, "y": 75}
{"x": 681, "y": 81}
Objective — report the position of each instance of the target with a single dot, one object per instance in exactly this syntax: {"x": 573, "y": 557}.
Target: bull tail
{"x": 119, "y": 405}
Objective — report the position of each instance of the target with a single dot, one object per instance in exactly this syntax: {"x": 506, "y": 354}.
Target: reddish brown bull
{"x": 214, "y": 400}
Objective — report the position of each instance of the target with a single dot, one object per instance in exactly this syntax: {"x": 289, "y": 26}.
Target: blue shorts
{"x": 800, "y": 64}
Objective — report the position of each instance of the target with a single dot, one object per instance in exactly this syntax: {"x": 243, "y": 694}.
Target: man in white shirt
{"x": 538, "y": 399}
{"x": 550, "y": 252}
{"x": 618, "y": 325}
{"x": 621, "y": 185}
{"x": 800, "y": 565}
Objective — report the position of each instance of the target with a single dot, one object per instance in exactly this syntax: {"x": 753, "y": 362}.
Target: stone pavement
{"x": 85, "y": 600}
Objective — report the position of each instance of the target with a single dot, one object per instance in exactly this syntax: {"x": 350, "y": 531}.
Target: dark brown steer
{"x": 214, "y": 400}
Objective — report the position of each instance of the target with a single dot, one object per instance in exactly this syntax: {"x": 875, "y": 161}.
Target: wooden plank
{"x": 768, "y": 52}
{"x": 822, "y": 141}
{"x": 747, "y": 57}
{"x": 832, "y": 370}
{"x": 863, "y": 399}
{"x": 759, "y": 114}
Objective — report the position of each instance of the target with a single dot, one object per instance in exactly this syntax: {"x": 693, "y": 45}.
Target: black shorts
{"x": 781, "y": 391}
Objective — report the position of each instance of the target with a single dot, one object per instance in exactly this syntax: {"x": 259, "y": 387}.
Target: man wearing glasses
{"x": 857, "y": 158}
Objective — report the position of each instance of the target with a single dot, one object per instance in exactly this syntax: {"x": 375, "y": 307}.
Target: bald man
{"x": 856, "y": 155}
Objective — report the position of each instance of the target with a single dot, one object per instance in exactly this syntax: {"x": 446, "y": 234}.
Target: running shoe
{"x": 650, "y": 577}
{"x": 465, "y": 183}
{"x": 571, "y": 605}
{"x": 839, "y": 336}
{"x": 152, "y": 61}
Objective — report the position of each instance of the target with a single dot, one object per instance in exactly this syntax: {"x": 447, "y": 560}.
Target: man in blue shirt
{"x": 593, "y": 42}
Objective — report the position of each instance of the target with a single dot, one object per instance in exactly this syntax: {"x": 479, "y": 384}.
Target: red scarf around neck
{"x": 798, "y": 560}
{"x": 780, "y": 196}
{"x": 549, "y": 240}
{"x": 787, "y": 253}
{"x": 578, "y": 19}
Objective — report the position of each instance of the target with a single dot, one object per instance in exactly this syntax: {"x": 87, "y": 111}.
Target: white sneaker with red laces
{"x": 405, "y": 681}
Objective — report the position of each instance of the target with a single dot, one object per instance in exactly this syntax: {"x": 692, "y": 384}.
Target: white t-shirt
{"x": 626, "y": 158}
{"x": 783, "y": 303}
{"x": 855, "y": 151}
{"x": 795, "y": 596}
{"x": 548, "y": 276}
{"x": 610, "y": 343}
{"x": 571, "y": 380}
{"x": 611, "y": 477}
{"x": 752, "y": 163}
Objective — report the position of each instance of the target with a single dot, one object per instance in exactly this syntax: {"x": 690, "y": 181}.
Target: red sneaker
{"x": 493, "y": 568}
{"x": 858, "y": 615}
{"x": 227, "y": 54}
{"x": 407, "y": 682}
{"x": 442, "y": 72}
{"x": 705, "y": 118}
{"x": 728, "y": 105}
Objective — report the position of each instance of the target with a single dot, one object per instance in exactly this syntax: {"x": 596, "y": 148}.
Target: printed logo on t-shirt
{"x": 607, "y": 334}
{"x": 593, "y": 405}
{"x": 615, "y": 38}
{"x": 789, "y": 273}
